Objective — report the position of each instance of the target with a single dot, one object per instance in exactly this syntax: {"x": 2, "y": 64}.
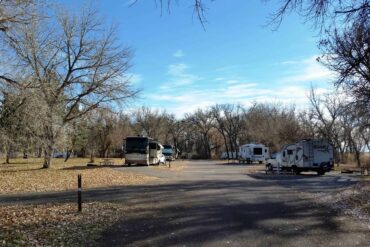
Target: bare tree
{"x": 202, "y": 122}
{"x": 14, "y": 12}
{"x": 228, "y": 121}
{"x": 324, "y": 12}
{"x": 348, "y": 54}
{"x": 74, "y": 66}
{"x": 147, "y": 122}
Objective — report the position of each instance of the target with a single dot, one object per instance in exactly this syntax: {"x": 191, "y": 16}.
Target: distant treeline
{"x": 205, "y": 133}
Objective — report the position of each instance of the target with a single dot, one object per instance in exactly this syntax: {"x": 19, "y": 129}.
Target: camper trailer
{"x": 230, "y": 155}
{"x": 142, "y": 151}
{"x": 305, "y": 155}
{"x": 253, "y": 152}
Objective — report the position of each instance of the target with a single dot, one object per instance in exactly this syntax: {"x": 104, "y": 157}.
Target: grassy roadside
{"x": 56, "y": 224}
{"x": 26, "y": 176}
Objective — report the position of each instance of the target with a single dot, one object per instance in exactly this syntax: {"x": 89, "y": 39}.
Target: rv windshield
{"x": 257, "y": 151}
{"x": 136, "y": 145}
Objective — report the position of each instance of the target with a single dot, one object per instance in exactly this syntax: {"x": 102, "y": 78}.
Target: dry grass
{"x": 27, "y": 176}
{"x": 56, "y": 224}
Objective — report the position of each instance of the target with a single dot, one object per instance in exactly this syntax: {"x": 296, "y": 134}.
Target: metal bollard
{"x": 79, "y": 193}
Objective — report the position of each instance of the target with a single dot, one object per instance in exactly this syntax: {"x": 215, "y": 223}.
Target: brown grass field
{"x": 27, "y": 175}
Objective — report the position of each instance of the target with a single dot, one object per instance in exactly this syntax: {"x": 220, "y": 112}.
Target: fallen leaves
{"x": 29, "y": 178}
{"x": 354, "y": 201}
{"x": 56, "y": 224}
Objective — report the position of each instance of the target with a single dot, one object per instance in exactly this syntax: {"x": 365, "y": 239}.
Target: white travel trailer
{"x": 305, "y": 155}
{"x": 142, "y": 151}
{"x": 253, "y": 152}
{"x": 230, "y": 155}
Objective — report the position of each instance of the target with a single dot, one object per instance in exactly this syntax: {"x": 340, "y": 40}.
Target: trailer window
{"x": 290, "y": 152}
{"x": 265, "y": 150}
{"x": 257, "y": 151}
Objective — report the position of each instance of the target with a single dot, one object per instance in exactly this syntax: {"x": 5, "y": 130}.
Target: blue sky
{"x": 181, "y": 67}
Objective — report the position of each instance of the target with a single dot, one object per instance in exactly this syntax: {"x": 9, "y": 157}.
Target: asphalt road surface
{"x": 213, "y": 204}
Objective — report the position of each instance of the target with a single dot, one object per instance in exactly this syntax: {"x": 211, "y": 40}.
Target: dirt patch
{"x": 56, "y": 224}
{"x": 18, "y": 177}
{"x": 353, "y": 201}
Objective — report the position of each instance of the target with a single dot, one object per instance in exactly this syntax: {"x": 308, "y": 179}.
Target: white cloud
{"x": 232, "y": 81}
{"x": 183, "y": 93}
{"x": 177, "y": 69}
{"x": 187, "y": 101}
{"x": 179, "y": 76}
{"x": 306, "y": 70}
{"x": 179, "y": 53}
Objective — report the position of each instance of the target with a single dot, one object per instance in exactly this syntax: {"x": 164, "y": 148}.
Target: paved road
{"x": 208, "y": 204}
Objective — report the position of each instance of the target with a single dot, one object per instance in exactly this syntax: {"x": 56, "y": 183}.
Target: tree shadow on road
{"x": 213, "y": 213}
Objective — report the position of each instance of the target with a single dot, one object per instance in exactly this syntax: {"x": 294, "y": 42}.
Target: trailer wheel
{"x": 295, "y": 170}
{"x": 320, "y": 172}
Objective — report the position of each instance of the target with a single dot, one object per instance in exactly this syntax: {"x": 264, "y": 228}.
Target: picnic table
{"x": 107, "y": 162}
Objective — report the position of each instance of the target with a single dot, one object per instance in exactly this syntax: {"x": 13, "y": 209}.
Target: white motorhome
{"x": 253, "y": 152}
{"x": 142, "y": 151}
{"x": 305, "y": 155}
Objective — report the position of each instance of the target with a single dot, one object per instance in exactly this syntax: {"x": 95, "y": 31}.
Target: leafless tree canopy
{"x": 73, "y": 63}
{"x": 322, "y": 12}
{"x": 15, "y": 12}
{"x": 348, "y": 54}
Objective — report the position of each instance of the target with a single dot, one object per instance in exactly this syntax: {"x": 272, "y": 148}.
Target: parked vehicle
{"x": 170, "y": 152}
{"x": 232, "y": 155}
{"x": 142, "y": 151}
{"x": 253, "y": 152}
{"x": 162, "y": 159}
{"x": 305, "y": 155}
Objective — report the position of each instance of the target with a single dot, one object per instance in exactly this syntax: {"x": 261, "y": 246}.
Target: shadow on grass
{"x": 23, "y": 170}
{"x": 90, "y": 167}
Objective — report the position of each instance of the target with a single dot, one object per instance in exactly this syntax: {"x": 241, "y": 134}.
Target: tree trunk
{"x": 7, "y": 159}
{"x": 48, "y": 151}
{"x": 8, "y": 154}
{"x": 39, "y": 154}
{"x": 92, "y": 159}
{"x": 69, "y": 152}
{"x": 48, "y": 155}
{"x": 357, "y": 156}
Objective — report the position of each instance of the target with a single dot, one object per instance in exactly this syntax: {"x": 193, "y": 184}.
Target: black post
{"x": 79, "y": 193}
{"x": 169, "y": 163}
